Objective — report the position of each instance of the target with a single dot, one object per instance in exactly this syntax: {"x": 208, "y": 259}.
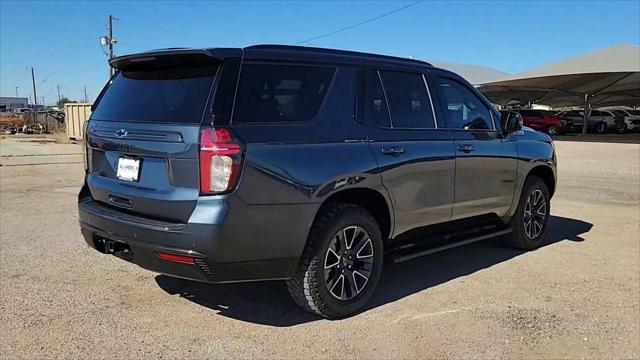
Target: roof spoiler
{"x": 168, "y": 57}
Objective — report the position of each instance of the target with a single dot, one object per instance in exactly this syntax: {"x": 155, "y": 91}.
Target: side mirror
{"x": 513, "y": 123}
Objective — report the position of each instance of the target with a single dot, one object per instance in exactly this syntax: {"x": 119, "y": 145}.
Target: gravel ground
{"x": 577, "y": 297}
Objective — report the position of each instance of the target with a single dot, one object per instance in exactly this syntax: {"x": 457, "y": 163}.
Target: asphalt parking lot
{"x": 576, "y": 297}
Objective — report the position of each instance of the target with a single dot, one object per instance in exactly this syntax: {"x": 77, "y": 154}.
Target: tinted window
{"x": 462, "y": 108}
{"x": 408, "y": 100}
{"x": 375, "y": 106}
{"x": 596, "y": 113}
{"x": 280, "y": 93}
{"x": 505, "y": 116}
{"x": 165, "y": 95}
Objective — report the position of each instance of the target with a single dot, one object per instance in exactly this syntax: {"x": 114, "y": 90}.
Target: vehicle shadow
{"x": 268, "y": 303}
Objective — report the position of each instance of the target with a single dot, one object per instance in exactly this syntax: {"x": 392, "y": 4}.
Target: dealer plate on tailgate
{"x": 128, "y": 169}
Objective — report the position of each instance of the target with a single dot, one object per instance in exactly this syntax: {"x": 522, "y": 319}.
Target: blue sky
{"x": 61, "y": 39}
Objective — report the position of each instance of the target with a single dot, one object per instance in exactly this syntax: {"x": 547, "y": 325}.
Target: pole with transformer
{"x": 16, "y": 91}
{"x": 58, "y": 86}
{"x": 109, "y": 41}
{"x": 110, "y": 45}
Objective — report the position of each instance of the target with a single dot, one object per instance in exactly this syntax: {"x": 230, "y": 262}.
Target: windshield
{"x": 175, "y": 95}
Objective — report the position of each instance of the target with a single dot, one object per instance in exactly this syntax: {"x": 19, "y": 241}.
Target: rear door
{"x": 486, "y": 162}
{"x": 143, "y": 138}
{"x": 415, "y": 158}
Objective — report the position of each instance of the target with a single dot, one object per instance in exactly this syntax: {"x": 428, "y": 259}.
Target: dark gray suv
{"x": 308, "y": 165}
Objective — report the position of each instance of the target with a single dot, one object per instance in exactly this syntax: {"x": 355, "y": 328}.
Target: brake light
{"x": 219, "y": 161}
{"x": 85, "y": 153}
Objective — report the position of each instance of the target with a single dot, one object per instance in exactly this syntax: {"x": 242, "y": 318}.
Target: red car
{"x": 545, "y": 121}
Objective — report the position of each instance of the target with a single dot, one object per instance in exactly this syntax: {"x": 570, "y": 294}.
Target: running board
{"x": 394, "y": 259}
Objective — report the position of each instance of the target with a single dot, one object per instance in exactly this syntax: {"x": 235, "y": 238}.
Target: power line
{"x": 43, "y": 81}
{"x": 360, "y": 23}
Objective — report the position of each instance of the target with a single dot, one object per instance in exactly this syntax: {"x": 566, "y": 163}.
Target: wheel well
{"x": 370, "y": 200}
{"x": 546, "y": 174}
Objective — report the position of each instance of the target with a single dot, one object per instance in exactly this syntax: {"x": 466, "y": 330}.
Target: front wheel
{"x": 531, "y": 218}
{"x": 341, "y": 263}
{"x": 552, "y": 130}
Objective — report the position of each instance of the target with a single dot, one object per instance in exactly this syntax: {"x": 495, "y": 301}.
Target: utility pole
{"x": 58, "y": 93}
{"x": 111, "y": 42}
{"x": 85, "y": 94}
{"x": 42, "y": 98}
{"x": 16, "y": 91}
{"x": 33, "y": 80}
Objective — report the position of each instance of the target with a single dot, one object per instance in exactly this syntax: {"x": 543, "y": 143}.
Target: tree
{"x": 63, "y": 101}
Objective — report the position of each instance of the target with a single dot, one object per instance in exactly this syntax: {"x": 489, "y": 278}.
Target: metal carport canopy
{"x": 603, "y": 77}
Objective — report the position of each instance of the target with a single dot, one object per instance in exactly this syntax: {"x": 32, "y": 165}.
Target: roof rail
{"x": 336, "y": 52}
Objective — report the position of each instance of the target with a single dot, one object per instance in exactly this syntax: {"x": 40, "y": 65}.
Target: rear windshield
{"x": 174, "y": 95}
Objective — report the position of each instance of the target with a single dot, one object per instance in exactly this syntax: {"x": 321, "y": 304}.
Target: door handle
{"x": 466, "y": 148}
{"x": 393, "y": 150}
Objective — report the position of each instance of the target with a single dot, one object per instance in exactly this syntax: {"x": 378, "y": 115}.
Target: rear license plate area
{"x": 128, "y": 169}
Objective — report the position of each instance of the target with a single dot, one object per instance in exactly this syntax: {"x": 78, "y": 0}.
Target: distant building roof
{"x": 13, "y": 100}
{"x": 475, "y": 74}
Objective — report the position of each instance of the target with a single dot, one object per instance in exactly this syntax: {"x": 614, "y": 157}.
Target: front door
{"x": 486, "y": 162}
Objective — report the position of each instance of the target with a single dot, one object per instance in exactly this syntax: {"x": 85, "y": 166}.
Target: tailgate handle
{"x": 120, "y": 201}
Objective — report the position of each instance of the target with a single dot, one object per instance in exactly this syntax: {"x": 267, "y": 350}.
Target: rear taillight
{"x": 85, "y": 153}
{"x": 175, "y": 258}
{"x": 220, "y": 161}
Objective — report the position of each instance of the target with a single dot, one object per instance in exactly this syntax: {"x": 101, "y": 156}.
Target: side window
{"x": 408, "y": 100}
{"x": 375, "y": 104}
{"x": 462, "y": 108}
{"x": 269, "y": 93}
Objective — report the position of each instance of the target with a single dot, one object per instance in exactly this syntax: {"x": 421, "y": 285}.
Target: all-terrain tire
{"x": 521, "y": 236}
{"x": 307, "y": 286}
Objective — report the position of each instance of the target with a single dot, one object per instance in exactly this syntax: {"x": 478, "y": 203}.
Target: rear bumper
{"x": 139, "y": 240}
